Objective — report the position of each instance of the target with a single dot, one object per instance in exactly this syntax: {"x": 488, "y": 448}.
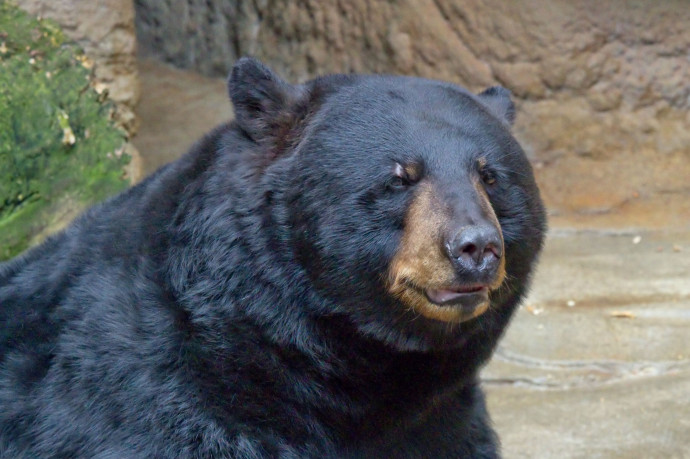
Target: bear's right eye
{"x": 397, "y": 183}
{"x": 400, "y": 179}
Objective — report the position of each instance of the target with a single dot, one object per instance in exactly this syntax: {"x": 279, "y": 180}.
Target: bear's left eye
{"x": 488, "y": 176}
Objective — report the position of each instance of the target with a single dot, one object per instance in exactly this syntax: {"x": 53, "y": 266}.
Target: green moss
{"x": 57, "y": 141}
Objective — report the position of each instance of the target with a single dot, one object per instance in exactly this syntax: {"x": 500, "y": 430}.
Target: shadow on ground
{"x": 597, "y": 361}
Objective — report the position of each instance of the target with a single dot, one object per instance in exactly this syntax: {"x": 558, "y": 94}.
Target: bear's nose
{"x": 475, "y": 248}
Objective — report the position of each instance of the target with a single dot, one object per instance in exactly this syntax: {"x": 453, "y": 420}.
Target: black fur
{"x": 232, "y": 304}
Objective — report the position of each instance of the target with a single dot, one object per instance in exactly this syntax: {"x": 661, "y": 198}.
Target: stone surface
{"x": 177, "y": 108}
{"x": 104, "y": 29}
{"x": 602, "y": 87}
{"x": 597, "y": 362}
{"x": 609, "y": 376}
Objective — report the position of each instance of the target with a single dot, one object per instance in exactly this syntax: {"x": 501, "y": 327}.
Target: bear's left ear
{"x": 261, "y": 99}
{"x": 497, "y": 100}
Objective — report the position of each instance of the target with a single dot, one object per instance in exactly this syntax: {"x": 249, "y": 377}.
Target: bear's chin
{"x": 427, "y": 327}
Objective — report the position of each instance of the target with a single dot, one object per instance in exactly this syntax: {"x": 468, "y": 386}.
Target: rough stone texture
{"x": 105, "y": 30}
{"x": 177, "y": 108}
{"x": 602, "y": 87}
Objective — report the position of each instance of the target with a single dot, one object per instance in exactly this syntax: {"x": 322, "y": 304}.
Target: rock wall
{"x": 603, "y": 88}
{"x": 105, "y": 30}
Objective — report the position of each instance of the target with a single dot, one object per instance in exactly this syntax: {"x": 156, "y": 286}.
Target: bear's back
{"x": 48, "y": 285}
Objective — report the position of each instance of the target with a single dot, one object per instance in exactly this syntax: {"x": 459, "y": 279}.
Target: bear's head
{"x": 407, "y": 202}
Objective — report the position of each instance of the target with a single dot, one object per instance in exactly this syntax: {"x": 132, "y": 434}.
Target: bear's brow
{"x": 414, "y": 170}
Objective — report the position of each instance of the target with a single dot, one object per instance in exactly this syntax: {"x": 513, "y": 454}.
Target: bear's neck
{"x": 325, "y": 368}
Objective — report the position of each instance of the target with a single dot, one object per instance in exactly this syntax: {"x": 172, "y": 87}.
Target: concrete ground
{"x": 596, "y": 363}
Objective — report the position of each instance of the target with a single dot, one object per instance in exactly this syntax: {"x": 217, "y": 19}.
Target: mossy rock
{"x": 59, "y": 149}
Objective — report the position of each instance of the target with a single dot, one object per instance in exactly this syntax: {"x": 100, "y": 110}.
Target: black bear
{"x": 322, "y": 277}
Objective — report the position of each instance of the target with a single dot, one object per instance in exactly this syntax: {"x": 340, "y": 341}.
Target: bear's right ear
{"x": 260, "y": 98}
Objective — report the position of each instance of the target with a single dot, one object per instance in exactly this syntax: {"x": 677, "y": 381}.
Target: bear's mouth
{"x": 450, "y": 303}
{"x": 458, "y": 295}
{"x": 455, "y": 303}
